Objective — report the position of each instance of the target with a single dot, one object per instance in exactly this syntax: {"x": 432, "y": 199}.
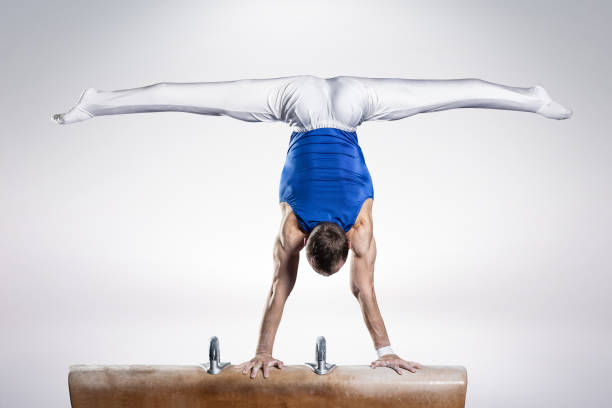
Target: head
{"x": 327, "y": 248}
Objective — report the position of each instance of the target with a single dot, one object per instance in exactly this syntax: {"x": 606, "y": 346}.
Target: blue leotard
{"x": 325, "y": 177}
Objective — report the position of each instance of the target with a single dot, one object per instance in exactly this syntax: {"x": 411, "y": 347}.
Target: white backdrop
{"x": 133, "y": 239}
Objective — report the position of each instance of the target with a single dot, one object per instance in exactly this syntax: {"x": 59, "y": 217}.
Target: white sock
{"x": 78, "y": 112}
{"x": 551, "y": 109}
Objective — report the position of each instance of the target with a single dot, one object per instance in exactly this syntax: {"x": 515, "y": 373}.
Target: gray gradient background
{"x": 134, "y": 238}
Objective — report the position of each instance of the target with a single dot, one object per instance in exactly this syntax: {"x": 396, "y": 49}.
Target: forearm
{"x": 362, "y": 281}
{"x": 270, "y": 322}
{"x": 373, "y": 319}
{"x": 285, "y": 273}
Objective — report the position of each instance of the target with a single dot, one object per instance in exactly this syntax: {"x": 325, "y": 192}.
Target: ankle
{"x": 541, "y": 97}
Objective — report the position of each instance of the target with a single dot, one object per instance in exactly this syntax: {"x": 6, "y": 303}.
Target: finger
{"x": 278, "y": 363}
{"x": 396, "y": 368}
{"x": 408, "y": 367}
{"x": 255, "y": 369}
{"x": 415, "y": 364}
{"x": 247, "y": 368}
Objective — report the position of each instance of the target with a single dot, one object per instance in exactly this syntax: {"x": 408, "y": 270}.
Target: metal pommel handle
{"x": 321, "y": 366}
{"x": 214, "y": 366}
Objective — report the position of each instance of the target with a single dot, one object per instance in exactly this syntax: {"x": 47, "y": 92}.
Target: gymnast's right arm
{"x": 286, "y": 257}
{"x": 251, "y": 100}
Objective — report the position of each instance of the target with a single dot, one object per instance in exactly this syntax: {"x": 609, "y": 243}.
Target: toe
{"x": 58, "y": 118}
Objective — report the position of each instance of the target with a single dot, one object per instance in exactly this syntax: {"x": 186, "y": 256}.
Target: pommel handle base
{"x": 321, "y": 367}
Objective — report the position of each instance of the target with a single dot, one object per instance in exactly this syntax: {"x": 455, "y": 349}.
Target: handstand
{"x": 326, "y": 193}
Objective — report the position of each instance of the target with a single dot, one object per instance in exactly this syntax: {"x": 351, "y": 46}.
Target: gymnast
{"x": 326, "y": 193}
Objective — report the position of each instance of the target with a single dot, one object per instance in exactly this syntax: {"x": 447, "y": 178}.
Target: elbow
{"x": 363, "y": 292}
{"x": 279, "y": 290}
{"x": 276, "y": 297}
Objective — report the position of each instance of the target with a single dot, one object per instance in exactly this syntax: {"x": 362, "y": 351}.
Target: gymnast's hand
{"x": 395, "y": 362}
{"x": 261, "y": 360}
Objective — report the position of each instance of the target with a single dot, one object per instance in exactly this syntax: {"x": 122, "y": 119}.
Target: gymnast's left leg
{"x": 245, "y": 99}
{"x": 206, "y": 98}
{"x": 160, "y": 97}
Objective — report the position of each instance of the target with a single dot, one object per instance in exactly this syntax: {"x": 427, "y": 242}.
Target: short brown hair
{"x": 327, "y": 245}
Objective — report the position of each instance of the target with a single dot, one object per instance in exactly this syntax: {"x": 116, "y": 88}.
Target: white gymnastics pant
{"x": 307, "y": 102}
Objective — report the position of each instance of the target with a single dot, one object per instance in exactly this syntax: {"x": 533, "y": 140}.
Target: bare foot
{"x": 78, "y": 112}
{"x": 550, "y": 109}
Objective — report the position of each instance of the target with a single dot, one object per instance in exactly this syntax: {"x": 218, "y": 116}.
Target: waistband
{"x": 323, "y": 124}
{"x": 350, "y": 136}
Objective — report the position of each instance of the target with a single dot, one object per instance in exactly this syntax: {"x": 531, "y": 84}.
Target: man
{"x": 326, "y": 194}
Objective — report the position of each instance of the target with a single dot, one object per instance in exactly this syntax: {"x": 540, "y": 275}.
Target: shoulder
{"x": 290, "y": 234}
{"x": 362, "y": 231}
{"x": 364, "y": 219}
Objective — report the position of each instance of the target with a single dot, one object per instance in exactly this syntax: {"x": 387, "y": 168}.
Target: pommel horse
{"x": 220, "y": 384}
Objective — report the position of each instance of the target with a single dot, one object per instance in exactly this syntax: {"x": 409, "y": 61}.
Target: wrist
{"x": 383, "y": 351}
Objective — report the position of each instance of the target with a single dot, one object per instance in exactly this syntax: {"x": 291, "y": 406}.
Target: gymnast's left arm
{"x": 397, "y": 98}
{"x": 363, "y": 245}
{"x": 251, "y": 100}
